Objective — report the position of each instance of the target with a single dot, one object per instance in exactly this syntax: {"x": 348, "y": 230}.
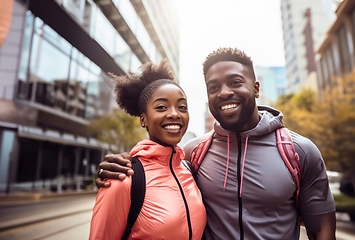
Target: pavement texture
{"x": 28, "y": 198}
{"x": 25, "y": 199}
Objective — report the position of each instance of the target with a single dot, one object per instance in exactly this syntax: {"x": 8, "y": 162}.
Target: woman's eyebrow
{"x": 166, "y": 100}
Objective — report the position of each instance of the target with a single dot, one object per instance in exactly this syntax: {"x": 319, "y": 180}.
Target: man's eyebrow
{"x": 230, "y": 76}
{"x": 233, "y": 75}
{"x": 211, "y": 81}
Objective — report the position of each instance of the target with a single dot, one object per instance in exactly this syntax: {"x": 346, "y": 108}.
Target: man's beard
{"x": 244, "y": 118}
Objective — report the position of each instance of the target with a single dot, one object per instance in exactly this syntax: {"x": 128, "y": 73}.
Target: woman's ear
{"x": 142, "y": 120}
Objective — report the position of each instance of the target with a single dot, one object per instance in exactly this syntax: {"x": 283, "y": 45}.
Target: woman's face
{"x": 167, "y": 116}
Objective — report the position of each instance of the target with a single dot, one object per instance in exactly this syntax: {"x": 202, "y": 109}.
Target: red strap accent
{"x": 200, "y": 150}
{"x": 284, "y": 144}
{"x": 290, "y": 157}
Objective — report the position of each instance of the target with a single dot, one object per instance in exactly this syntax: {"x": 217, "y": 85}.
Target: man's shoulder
{"x": 191, "y": 145}
{"x": 302, "y": 143}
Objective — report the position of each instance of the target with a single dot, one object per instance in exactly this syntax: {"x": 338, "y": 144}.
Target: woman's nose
{"x": 174, "y": 113}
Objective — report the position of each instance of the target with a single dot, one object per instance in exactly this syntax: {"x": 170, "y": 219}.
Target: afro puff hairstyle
{"x": 133, "y": 90}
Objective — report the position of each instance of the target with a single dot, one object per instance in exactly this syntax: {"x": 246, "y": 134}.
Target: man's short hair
{"x": 228, "y": 54}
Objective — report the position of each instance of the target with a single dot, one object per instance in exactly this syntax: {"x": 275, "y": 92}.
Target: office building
{"x": 336, "y": 54}
{"x": 304, "y": 23}
{"x": 53, "y": 70}
{"x": 272, "y": 84}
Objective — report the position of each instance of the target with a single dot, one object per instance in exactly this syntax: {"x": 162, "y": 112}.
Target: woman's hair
{"x": 228, "y": 54}
{"x": 133, "y": 90}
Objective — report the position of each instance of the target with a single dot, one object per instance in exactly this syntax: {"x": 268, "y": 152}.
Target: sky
{"x": 205, "y": 25}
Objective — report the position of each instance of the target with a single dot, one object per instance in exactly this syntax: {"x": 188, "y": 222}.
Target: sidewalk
{"x": 32, "y": 202}
{"x": 26, "y": 197}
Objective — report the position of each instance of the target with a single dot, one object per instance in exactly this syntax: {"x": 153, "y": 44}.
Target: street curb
{"x": 27, "y": 198}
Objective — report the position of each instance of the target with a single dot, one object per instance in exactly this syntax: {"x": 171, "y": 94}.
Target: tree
{"x": 338, "y": 118}
{"x": 120, "y": 130}
{"x": 300, "y": 113}
{"x": 328, "y": 122}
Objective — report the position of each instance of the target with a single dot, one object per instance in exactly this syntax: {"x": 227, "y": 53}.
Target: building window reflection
{"x": 61, "y": 77}
{"x": 24, "y": 87}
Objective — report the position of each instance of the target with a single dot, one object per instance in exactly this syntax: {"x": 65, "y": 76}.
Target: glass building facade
{"x": 54, "y": 68}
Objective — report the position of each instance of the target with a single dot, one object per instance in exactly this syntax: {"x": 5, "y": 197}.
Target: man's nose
{"x": 225, "y": 92}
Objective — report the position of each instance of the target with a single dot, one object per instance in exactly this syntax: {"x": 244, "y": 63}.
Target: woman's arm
{"x": 110, "y": 212}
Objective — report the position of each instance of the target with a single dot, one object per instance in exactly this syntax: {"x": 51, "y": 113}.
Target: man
{"x": 247, "y": 189}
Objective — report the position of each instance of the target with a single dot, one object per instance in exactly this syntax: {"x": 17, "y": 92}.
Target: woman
{"x": 172, "y": 207}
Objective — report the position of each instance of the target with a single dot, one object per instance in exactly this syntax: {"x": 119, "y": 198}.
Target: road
{"x": 69, "y": 218}
{"x": 65, "y": 218}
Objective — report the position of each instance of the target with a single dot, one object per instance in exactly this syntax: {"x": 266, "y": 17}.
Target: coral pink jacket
{"x": 172, "y": 207}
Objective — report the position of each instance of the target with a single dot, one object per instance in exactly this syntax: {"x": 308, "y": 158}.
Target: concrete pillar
{"x": 59, "y": 169}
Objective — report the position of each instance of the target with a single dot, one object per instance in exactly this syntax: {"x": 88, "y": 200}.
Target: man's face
{"x": 231, "y": 90}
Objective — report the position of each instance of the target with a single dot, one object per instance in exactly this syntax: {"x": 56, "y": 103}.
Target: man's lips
{"x": 230, "y": 106}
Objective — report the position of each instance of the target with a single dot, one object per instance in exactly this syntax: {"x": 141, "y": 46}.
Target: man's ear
{"x": 256, "y": 87}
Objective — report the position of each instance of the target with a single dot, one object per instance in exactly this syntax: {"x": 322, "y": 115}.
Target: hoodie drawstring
{"x": 227, "y": 165}
{"x": 243, "y": 161}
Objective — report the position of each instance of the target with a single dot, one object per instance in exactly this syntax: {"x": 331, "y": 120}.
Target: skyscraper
{"x": 305, "y": 23}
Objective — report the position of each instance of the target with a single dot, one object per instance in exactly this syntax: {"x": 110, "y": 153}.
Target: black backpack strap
{"x": 189, "y": 166}
{"x": 137, "y": 195}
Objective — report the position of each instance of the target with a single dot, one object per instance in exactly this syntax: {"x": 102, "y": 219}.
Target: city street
{"x": 63, "y": 218}
{"x": 69, "y": 218}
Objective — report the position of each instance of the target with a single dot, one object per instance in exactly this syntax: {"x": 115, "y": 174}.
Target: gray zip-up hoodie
{"x": 247, "y": 189}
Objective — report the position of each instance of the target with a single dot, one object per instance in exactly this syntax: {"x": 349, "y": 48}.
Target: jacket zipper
{"x": 182, "y": 194}
{"x": 239, "y": 182}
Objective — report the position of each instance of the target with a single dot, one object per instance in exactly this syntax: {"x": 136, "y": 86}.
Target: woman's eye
{"x": 183, "y": 107}
{"x": 161, "y": 107}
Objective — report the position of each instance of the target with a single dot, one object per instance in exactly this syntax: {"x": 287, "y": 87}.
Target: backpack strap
{"x": 137, "y": 195}
{"x": 284, "y": 144}
{"x": 189, "y": 167}
{"x": 290, "y": 157}
{"x": 200, "y": 150}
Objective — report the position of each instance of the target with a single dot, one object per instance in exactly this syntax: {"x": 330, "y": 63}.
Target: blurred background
{"x": 58, "y": 116}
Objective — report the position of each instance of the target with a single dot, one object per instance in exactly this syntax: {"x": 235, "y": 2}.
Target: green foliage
{"x": 329, "y": 122}
{"x": 300, "y": 113}
{"x": 118, "y": 129}
{"x": 346, "y": 204}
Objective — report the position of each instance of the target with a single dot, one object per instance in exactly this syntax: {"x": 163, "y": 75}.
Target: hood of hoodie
{"x": 270, "y": 120}
{"x": 148, "y": 150}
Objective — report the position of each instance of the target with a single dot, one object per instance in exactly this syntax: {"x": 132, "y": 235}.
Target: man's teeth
{"x": 229, "y": 106}
{"x": 172, "y": 127}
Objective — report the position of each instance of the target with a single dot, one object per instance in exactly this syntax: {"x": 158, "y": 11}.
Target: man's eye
{"x": 212, "y": 88}
{"x": 237, "y": 81}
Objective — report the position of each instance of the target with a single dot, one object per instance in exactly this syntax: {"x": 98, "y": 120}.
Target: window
{"x": 60, "y": 76}
{"x": 344, "y": 51}
{"x": 25, "y": 88}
